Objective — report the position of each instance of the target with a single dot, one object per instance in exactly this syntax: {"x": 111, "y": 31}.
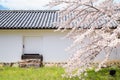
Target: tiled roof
{"x": 27, "y": 19}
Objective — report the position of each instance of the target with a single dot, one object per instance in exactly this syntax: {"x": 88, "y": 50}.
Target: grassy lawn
{"x": 103, "y": 74}
{"x": 45, "y": 73}
{"x": 51, "y": 73}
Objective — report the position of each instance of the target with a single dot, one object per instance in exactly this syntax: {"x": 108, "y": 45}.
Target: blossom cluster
{"x": 94, "y": 27}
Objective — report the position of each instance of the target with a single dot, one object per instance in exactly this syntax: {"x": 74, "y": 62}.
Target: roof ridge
{"x": 29, "y": 10}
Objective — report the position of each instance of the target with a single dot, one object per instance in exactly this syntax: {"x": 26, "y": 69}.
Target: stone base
{"x": 30, "y": 63}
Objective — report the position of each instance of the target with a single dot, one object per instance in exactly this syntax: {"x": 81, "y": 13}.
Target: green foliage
{"x": 52, "y": 73}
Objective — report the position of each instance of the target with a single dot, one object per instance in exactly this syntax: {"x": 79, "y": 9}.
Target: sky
{"x": 27, "y": 4}
{"x": 2, "y": 8}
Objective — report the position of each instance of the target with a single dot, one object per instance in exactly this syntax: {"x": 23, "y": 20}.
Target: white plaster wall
{"x": 10, "y": 47}
{"x": 53, "y": 46}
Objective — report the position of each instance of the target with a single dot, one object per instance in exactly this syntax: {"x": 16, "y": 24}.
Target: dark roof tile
{"x": 28, "y": 19}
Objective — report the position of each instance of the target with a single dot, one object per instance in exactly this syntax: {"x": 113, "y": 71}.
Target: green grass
{"x": 103, "y": 74}
{"x": 45, "y": 73}
{"x": 51, "y": 73}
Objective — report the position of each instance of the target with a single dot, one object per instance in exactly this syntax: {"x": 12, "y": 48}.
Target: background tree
{"x": 94, "y": 28}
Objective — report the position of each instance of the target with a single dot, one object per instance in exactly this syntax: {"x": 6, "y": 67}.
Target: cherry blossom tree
{"x": 94, "y": 27}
